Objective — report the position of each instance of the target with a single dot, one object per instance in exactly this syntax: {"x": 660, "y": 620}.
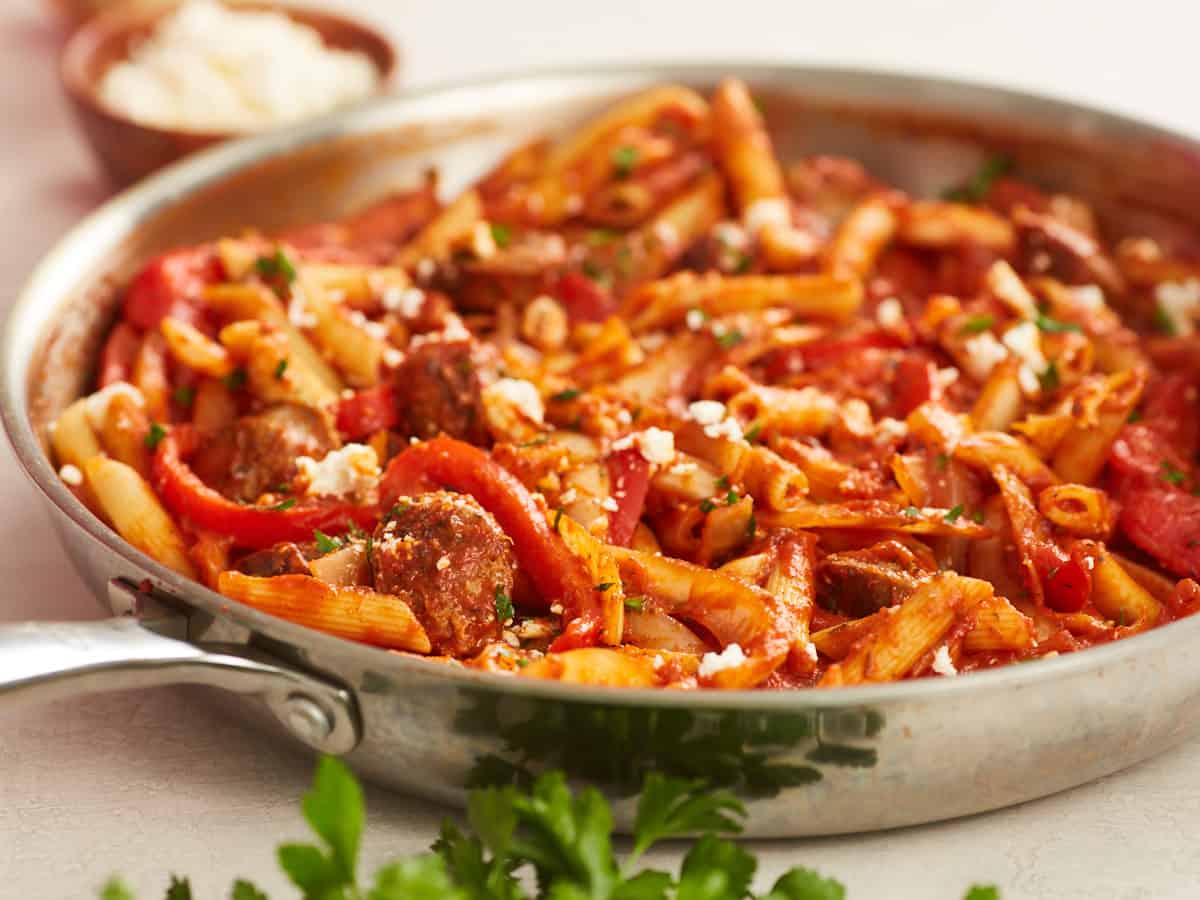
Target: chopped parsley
{"x": 977, "y": 187}
{"x": 1054, "y": 326}
{"x": 912, "y": 512}
{"x": 325, "y": 543}
{"x": 1163, "y": 322}
{"x": 624, "y": 161}
{"x": 954, "y": 513}
{"x": 1135, "y": 415}
{"x": 592, "y": 270}
{"x": 501, "y": 234}
{"x": 1170, "y": 474}
{"x": 977, "y": 517}
{"x": 155, "y": 435}
{"x": 723, "y": 482}
{"x": 235, "y": 380}
{"x": 1049, "y": 378}
{"x": 504, "y": 605}
{"x": 284, "y": 504}
{"x": 751, "y": 526}
{"x": 707, "y": 506}
{"x": 941, "y": 460}
{"x": 732, "y": 497}
{"x": 558, "y": 514}
{"x": 753, "y": 433}
{"x": 604, "y": 586}
{"x": 397, "y": 510}
{"x": 730, "y": 339}
{"x": 598, "y": 237}
{"x": 977, "y": 324}
{"x": 184, "y": 395}
{"x": 635, "y": 602}
{"x": 566, "y": 395}
{"x": 743, "y": 264}
{"x": 280, "y": 368}
{"x": 278, "y": 269}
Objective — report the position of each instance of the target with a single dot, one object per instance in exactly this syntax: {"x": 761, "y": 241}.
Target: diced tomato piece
{"x": 629, "y": 475}
{"x": 170, "y": 285}
{"x": 1165, "y": 524}
{"x": 1066, "y": 580}
{"x": 584, "y": 300}
{"x": 119, "y": 353}
{"x": 368, "y": 411}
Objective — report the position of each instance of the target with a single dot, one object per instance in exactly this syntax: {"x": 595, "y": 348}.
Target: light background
{"x": 148, "y": 783}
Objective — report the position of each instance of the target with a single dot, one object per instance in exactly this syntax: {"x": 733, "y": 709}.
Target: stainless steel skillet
{"x": 816, "y": 762}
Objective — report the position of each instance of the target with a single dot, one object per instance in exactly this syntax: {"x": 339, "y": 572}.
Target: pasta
{"x": 647, "y": 406}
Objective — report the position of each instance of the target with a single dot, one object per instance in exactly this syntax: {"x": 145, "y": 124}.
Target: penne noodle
{"x": 1100, "y": 409}
{"x": 1078, "y": 509}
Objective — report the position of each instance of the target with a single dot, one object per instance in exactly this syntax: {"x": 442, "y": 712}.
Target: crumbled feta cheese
{"x": 519, "y": 394}
{"x": 405, "y": 301}
{"x": 1025, "y": 341}
{"x": 393, "y": 358}
{"x": 729, "y": 658}
{"x": 341, "y": 473}
{"x": 425, "y": 268}
{"x": 666, "y": 233}
{"x": 731, "y": 234}
{"x": 984, "y": 353}
{"x": 209, "y": 67}
{"x": 609, "y": 504}
{"x": 695, "y": 319}
{"x": 96, "y": 406}
{"x": 770, "y": 211}
{"x": 624, "y": 417}
{"x": 71, "y": 475}
{"x": 942, "y": 663}
{"x": 707, "y": 412}
{"x": 483, "y": 244}
{"x": 890, "y": 314}
{"x": 573, "y": 204}
{"x": 298, "y": 311}
{"x": 656, "y": 445}
{"x": 570, "y": 495}
{"x": 377, "y": 330}
{"x": 1089, "y": 297}
{"x": 443, "y": 563}
{"x": 810, "y": 650}
{"x": 1006, "y": 284}
{"x": 556, "y": 608}
{"x": 945, "y": 377}
{"x": 1179, "y": 302}
{"x": 891, "y": 429}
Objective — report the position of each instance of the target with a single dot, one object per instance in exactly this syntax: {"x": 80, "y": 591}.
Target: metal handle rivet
{"x": 307, "y": 720}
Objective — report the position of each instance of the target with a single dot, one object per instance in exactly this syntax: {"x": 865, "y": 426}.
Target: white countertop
{"x": 150, "y": 783}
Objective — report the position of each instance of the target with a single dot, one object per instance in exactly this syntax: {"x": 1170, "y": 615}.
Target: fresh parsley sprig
{"x": 563, "y": 839}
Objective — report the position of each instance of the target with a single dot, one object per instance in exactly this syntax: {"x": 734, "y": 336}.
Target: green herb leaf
{"x": 325, "y": 543}
{"x": 115, "y": 889}
{"x": 592, "y": 270}
{"x": 715, "y": 869}
{"x": 912, "y": 512}
{"x": 335, "y": 810}
{"x": 283, "y": 505}
{"x": 1135, "y": 415}
{"x": 501, "y": 234}
{"x": 566, "y": 396}
{"x": 731, "y": 498}
{"x": 418, "y": 878}
{"x": 730, "y": 339}
{"x": 235, "y": 380}
{"x": 753, "y": 433}
{"x": 604, "y": 586}
{"x": 280, "y": 368}
{"x": 1049, "y": 378}
{"x": 977, "y": 517}
{"x": 504, "y": 605}
{"x": 184, "y": 395}
{"x": 982, "y": 892}
{"x": 244, "y": 890}
{"x": 977, "y": 324}
{"x": 977, "y": 187}
{"x": 954, "y": 513}
{"x": 635, "y": 602}
{"x": 941, "y": 460}
{"x": 154, "y": 436}
{"x": 707, "y": 506}
{"x": 1163, "y": 322}
{"x": 805, "y": 884}
{"x": 751, "y": 526}
{"x": 558, "y": 514}
{"x": 1170, "y": 474}
{"x": 1054, "y": 326}
{"x": 624, "y": 161}
{"x": 276, "y": 267}
{"x": 674, "y": 807}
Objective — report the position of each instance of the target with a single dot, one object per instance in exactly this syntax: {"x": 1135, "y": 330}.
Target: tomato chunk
{"x": 368, "y": 411}
{"x": 170, "y": 285}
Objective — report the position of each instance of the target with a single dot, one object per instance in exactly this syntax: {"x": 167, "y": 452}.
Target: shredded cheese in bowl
{"x": 208, "y": 67}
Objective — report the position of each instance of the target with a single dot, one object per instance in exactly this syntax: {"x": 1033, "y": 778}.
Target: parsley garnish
{"x": 624, "y": 161}
{"x": 325, "y": 543}
{"x": 598, "y": 237}
{"x": 1170, "y": 474}
{"x": 154, "y": 436}
{"x": 1163, "y": 322}
{"x": 751, "y": 526}
{"x": 977, "y": 324}
{"x": 1054, "y": 326}
{"x": 501, "y": 234}
{"x": 235, "y": 380}
{"x": 558, "y": 514}
{"x": 941, "y": 460}
{"x": 504, "y": 605}
{"x": 954, "y": 513}
{"x": 184, "y": 395}
{"x": 976, "y": 189}
{"x": 723, "y": 482}
{"x": 566, "y": 396}
{"x": 276, "y": 268}
{"x": 280, "y": 368}
{"x": 731, "y": 498}
{"x": 592, "y": 270}
{"x": 912, "y": 512}
{"x": 1135, "y": 415}
{"x": 1049, "y": 378}
{"x": 707, "y": 506}
{"x": 635, "y": 602}
{"x": 730, "y": 339}
{"x": 603, "y": 586}
{"x": 977, "y": 517}
{"x": 753, "y": 433}
{"x": 284, "y": 504}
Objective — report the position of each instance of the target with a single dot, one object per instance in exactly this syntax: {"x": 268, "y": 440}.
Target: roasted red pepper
{"x": 629, "y": 475}
{"x": 249, "y": 526}
{"x": 367, "y": 411}
{"x": 555, "y": 571}
{"x": 171, "y": 285}
{"x": 583, "y": 299}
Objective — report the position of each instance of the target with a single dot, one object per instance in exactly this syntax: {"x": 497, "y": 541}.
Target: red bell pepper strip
{"x": 629, "y": 475}
{"x": 119, "y": 353}
{"x": 583, "y": 299}
{"x": 368, "y": 411}
{"x": 171, "y": 285}
{"x": 542, "y": 554}
{"x": 250, "y": 526}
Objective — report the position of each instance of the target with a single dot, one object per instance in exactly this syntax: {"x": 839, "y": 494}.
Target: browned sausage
{"x": 439, "y": 388}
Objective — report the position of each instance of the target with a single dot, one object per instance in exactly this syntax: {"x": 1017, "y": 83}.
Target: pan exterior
{"x": 808, "y": 762}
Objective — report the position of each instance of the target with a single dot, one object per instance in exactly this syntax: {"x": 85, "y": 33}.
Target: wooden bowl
{"x": 130, "y": 150}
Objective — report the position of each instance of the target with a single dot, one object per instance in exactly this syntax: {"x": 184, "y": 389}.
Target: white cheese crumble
{"x": 483, "y": 244}
{"x": 769, "y": 211}
{"x": 393, "y": 358}
{"x": 667, "y": 234}
{"x": 1025, "y": 341}
{"x": 570, "y": 495}
{"x": 609, "y": 504}
{"x": 942, "y": 663}
{"x": 207, "y": 67}
{"x": 656, "y": 445}
{"x": 890, "y": 314}
{"x": 341, "y": 473}
{"x": 695, "y": 319}
{"x": 891, "y": 429}
{"x": 984, "y": 353}
{"x": 96, "y": 406}
{"x": 298, "y": 312}
{"x": 731, "y": 234}
{"x": 425, "y": 268}
{"x": 706, "y": 412}
{"x": 729, "y": 658}
{"x": 71, "y": 475}
{"x": 443, "y": 563}
{"x": 1179, "y": 302}
{"x": 518, "y": 394}
{"x": 406, "y": 301}
{"x": 1089, "y": 297}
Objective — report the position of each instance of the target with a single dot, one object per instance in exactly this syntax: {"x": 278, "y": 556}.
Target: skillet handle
{"x": 42, "y": 661}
